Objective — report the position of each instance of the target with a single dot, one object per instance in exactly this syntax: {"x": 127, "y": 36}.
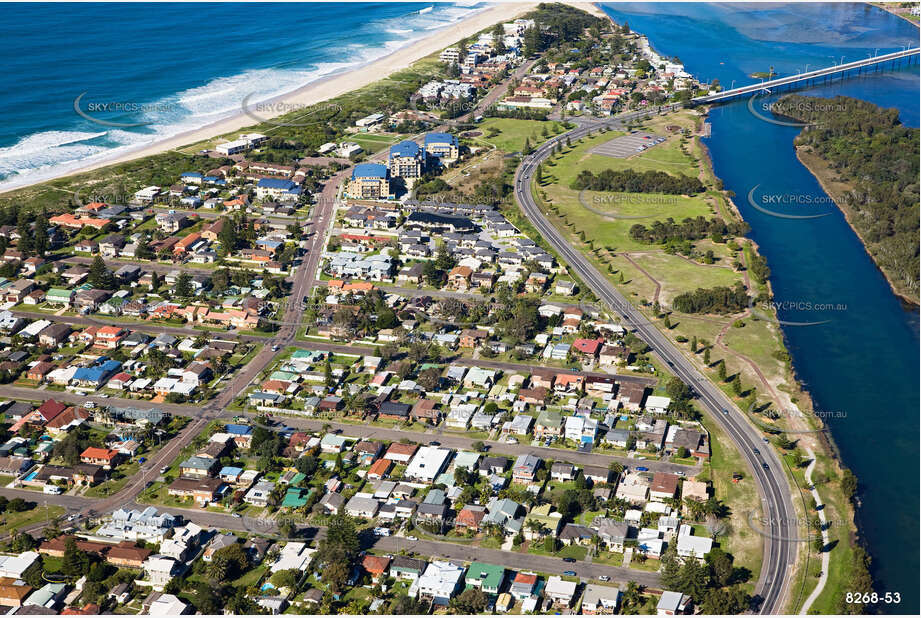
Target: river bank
{"x": 826, "y": 177}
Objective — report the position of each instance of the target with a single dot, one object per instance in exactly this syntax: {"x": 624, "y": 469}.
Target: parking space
{"x": 628, "y": 145}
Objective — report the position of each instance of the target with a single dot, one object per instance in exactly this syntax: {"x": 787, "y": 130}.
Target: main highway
{"x": 766, "y": 467}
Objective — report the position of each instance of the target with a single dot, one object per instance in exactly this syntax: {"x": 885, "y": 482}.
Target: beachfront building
{"x": 245, "y": 142}
{"x": 405, "y": 160}
{"x": 442, "y": 146}
{"x": 370, "y": 181}
{"x": 277, "y": 188}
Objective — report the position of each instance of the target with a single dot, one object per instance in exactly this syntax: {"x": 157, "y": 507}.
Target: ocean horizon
{"x": 176, "y": 69}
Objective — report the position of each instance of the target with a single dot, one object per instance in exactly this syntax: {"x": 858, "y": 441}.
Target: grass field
{"x": 741, "y": 541}
{"x": 10, "y": 521}
{"x": 513, "y": 132}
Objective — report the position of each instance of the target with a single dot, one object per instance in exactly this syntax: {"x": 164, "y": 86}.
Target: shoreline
{"x": 882, "y": 5}
{"x": 821, "y": 171}
{"x": 311, "y": 93}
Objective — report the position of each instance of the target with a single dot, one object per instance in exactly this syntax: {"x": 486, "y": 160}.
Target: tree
{"x": 725, "y": 601}
{"x": 707, "y": 357}
{"x": 670, "y": 567}
{"x": 76, "y": 561}
{"x": 470, "y": 601}
{"x": 849, "y": 484}
{"x": 40, "y": 235}
{"x": 429, "y": 379}
{"x": 721, "y": 370}
{"x": 183, "y": 288}
{"x": 694, "y": 344}
{"x": 737, "y": 385}
{"x": 338, "y": 551}
{"x": 205, "y": 599}
{"x": 228, "y": 563}
{"x": 100, "y": 276}
{"x": 720, "y": 566}
{"x": 403, "y": 605}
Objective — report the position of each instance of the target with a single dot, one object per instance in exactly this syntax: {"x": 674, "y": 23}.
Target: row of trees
{"x": 697, "y": 228}
{"x": 720, "y": 299}
{"x": 714, "y": 585}
{"x": 632, "y": 181}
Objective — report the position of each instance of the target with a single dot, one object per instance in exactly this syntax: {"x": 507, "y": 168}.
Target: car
{"x": 412, "y": 538}
{"x": 766, "y": 440}
{"x": 725, "y": 411}
{"x": 642, "y": 469}
{"x": 142, "y": 459}
{"x": 434, "y": 443}
{"x": 569, "y": 559}
{"x": 164, "y": 469}
{"x": 604, "y": 578}
{"x": 757, "y": 452}
{"x": 765, "y": 466}
{"x": 511, "y": 441}
{"x": 680, "y": 473}
{"x": 148, "y": 484}
{"x": 569, "y": 573}
{"x": 236, "y": 515}
{"x": 276, "y": 348}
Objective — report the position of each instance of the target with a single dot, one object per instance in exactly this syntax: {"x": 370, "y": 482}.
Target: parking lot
{"x": 628, "y": 145}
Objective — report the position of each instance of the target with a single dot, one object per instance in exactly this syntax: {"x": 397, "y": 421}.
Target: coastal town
{"x": 340, "y": 366}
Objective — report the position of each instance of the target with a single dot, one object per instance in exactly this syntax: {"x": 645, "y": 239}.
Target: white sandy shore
{"x": 320, "y": 90}
{"x": 316, "y": 91}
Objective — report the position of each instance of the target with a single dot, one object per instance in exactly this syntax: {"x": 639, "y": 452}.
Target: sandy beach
{"x": 323, "y": 89}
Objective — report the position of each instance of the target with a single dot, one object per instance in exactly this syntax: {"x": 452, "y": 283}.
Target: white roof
{"x": 15, "y": 566}
{"x": 656, "y": 401}
{"x": 559, "y": 587}
{"x": 167, "y": 605}
{"x": 428, "y": 463}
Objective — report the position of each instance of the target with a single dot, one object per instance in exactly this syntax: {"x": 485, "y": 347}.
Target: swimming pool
{"x": 30, "y": 475}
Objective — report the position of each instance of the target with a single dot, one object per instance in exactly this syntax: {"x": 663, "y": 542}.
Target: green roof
{"x": 489, "y": 576}
{"x": 550, "y": 419}
{"x": 295, "y": 497}
{"x": 284, "y": 376}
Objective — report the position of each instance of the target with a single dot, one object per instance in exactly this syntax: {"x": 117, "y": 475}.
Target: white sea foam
{"x": 47, "y": 154}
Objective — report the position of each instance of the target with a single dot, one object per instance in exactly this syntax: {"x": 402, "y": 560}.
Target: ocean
{"x": 158, "y": 70}
{"x": 861, "y": 366}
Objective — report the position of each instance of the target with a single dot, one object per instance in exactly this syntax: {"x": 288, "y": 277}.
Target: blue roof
{"x": 369, "y": 170}
{"x": 97, "y": 373}
{"x": 231, "y": 470}
{"x": 239, "y": 430}
{"x": 265, "y": 242}
{"x": 191, "y": 175}
{"x": 440, "y": 138}
{"x": 276, "y": 183}
{"x": 404, "y": 149}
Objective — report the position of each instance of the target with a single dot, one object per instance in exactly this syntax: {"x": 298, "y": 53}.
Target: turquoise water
{"x": 861, "y": 367}
{"x": 30, "y": 475}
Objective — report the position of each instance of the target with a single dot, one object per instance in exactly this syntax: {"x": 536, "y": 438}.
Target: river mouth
{"x": 867, "y": 354}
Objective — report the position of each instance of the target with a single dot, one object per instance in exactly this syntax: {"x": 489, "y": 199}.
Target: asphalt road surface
{"x": 779, "y": 552}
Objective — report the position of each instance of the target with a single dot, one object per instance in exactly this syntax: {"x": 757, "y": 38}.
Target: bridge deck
{"x": 801, "y": 77}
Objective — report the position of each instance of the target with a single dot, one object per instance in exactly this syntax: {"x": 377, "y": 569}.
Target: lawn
{"x": 10, "y": 521}
{"x": 742, "y": 542}
{"x": 513, "y": 132}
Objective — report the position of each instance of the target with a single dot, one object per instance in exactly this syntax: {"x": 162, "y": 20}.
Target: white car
{"x": 604, "y": 578}
{"x": 412, "y": 538}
